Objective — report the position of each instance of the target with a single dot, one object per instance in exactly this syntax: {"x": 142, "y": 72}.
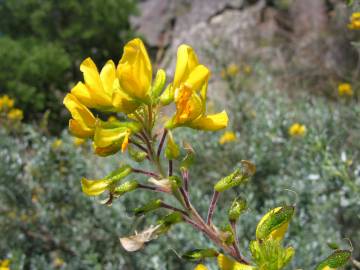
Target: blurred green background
{"x": 274, "y": 63}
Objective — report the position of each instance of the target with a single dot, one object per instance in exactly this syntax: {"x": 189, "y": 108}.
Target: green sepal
{"x": 135, "y": 155}
{"x": 125, "y": 188}
{"x": 119, "y": 174}
{"x": 333, "y": 245}
{"x": 228, "y": 235}
{"x": 337, "y": 259}
{"x": 159, "y": 83}
{"x": 200, "y": 254}
{"x": 167, "y": 96}
{"x": 169, "y": 220}
{"x": 176, "y": 183}
{"x": 172, "y": 150}
{"x": 150, "y": 206}
{"x": 238, "y": 206}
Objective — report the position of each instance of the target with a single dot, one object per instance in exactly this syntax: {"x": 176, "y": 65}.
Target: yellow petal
{"x": 226, "y": 263}
{"x": 107, "y": 151}
{"x": 94, "y": 187}
{"x": 134, "y": 70}
{"x": 211, "y": 122}
{"x": 186, "y": 61}
{"x": 201, "y": 267}
{"x": 79, "y": 112}
{"x": 107, "y": 76}
{"x": 122, "y": 102}
{"x": 198, "y": 77}
{"x": 125, "y": 142}
{"x": 105, "y": 137}
{"x": 84, "y": 95}
{"x": 79, "y": 131}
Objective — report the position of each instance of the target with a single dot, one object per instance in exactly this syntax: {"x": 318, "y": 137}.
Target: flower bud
{"x": 126, "y": 187}
{"x": 275, "y": 223}
{"x": 172, "y": 150}
{"x": 337, "y": 259}
{"x": 167, "y": 96}
{"x": 150, "y": 206}
{"x": 137, "y": 156}
{"x": 159, "y": 83}
{"x": 238, "y": 206}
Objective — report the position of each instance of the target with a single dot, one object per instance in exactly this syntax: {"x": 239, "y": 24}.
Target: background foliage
{"x": 42, "y": 44}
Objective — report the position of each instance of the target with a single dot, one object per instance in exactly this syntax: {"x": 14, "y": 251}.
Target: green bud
{"x": 172, "y": 150}
{"x": 125, "y": 187}
{"x": 175, "y": 184}
{"x": 227, "y": 235}
{"x": 119, "y": 174}
{"x": 337, "y": 259}
{"x": 167, "y": 96}
{"x": 238, "y": 206}
{"x": 159, "y": 83}
{"x": 137, "y": 156}
{"x": 151, "y": 206}
{"x": 200, "y": 254}
{"x": 275, "y": 223}
{"x": 232, "y": 180}
{"x": 333, "y": 245}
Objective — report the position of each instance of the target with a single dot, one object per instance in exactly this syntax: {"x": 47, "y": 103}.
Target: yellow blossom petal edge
{"x": 200, "y": 267}
{"x": 226, "y": 263}
{"x": 228, "y": 136}
{"x": 211, "y": 122}
{"x": 134, "y": 70}
{"x": 186, "y": 61}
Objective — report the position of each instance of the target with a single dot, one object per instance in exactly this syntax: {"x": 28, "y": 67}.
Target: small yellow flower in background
{"x": 354, "y": 21}
{"x": 232, "y": 70}
{"x": 201, "y": 267}
{"x": 226, "y": 263}
{"x": 247, "y": 69}
{"x": 297, "y": 130}
{"x": 58, "y": 262}
{"x": 78, "y": 141}
{"x": 5, "y": 264}
{"x": 227, "y": 137}
{"x": 345, "y": 89}
{"x": 56, "y": 144}
{"x": 15, "y": 115}
{"x": 6, "y": 103}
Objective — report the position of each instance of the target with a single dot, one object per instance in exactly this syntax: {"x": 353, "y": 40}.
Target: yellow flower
{"x": 15, "y": 115}
{"x": 226, "y": 263}
{"x": 297, "y": 130}
{"x": 354, "y": 21}
{"x": 232, "y": 70}
{"x": 345, "y": 89}
{"x": 56, "y": 144}
{"x": 247, "y": 69}
{"x": 78, "y": 141}
{"x": 82, "y": 124}
{"x": 5, "y": 264}
{"x": 228, "y": 136}
{"x": 6, "y": 103}
{"x": 201, "y": 267}
{"x": 134, "y": 71}
{"x": 58, "y": 262}
{"x": 189, "y": 89}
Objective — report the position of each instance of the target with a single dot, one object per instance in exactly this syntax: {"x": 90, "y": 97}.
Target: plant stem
{"x": 152, "y": 174}
{"x": 161, "y": 142}
{"x": 185, "y": 176}
{"x": 212, "y": 206}
{"x": 138, "y": 146}
{"x": 165, "y": 205}
{"x": 170, "y": 172}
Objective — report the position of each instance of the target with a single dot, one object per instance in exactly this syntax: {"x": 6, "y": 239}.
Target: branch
{"x": 152, "y": 174}
{"x": 212, "y": 206}
{"x": 162, "y": 142}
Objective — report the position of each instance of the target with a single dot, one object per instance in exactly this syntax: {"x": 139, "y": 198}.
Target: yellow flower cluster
{"x": 354, "y": 21}
{"x": 128, "y": 88}
{"x": 345, "y": 89}
{"x": 297, "y": 130}
{"x": 7, "y": 109}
